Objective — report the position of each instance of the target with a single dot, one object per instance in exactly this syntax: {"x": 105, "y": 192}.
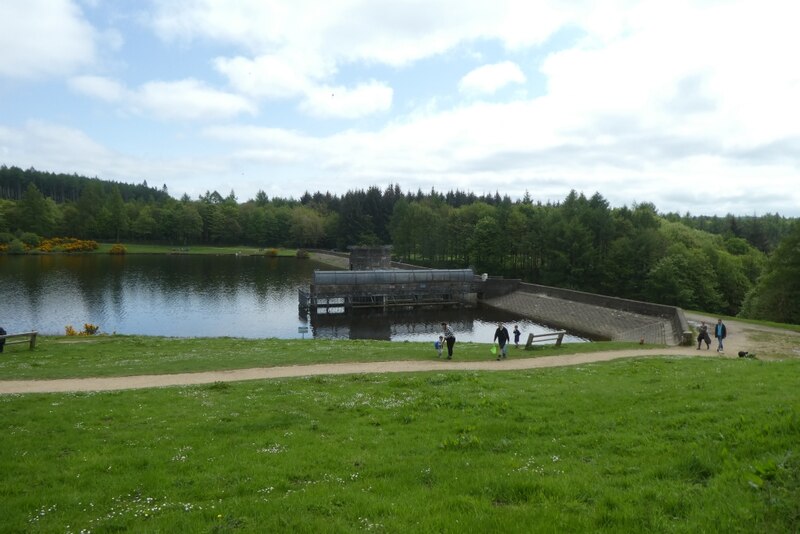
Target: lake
{"x": 199, "y": 296}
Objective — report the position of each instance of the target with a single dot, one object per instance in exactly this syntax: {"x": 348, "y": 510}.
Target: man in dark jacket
{"x": 502, "y": 337}
{"x": 720, "y": 332}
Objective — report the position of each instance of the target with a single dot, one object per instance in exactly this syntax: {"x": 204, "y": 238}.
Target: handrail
{"x": 547, "y": 336}
{"x": 31, "y": 338}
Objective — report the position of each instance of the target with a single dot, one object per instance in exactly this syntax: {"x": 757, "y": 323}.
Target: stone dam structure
{"x": 595, "y": 316}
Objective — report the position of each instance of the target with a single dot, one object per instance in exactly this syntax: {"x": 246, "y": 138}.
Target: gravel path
{"x": 739, "y": 338}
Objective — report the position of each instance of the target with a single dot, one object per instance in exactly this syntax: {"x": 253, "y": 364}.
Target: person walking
{"x": 449, "y": 339}
{"x": 501, "y": 337}
{"x": 720, "y": 332}
{"x": 439, "y": 345}
{"x": 703, "y": 336}
{"x": 517, "y": 333}
{"x": 2, "y": 340}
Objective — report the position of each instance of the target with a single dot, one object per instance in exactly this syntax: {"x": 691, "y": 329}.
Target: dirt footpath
{"x": 763, "y": 341}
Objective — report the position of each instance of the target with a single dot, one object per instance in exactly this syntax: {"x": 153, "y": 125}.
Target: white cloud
{"x": 342, "y": 102}
{"x": 53, "y": 147}
{"x": 98, "y": 87}
{"x": 488, "y": 79}
{"x": 181, "y": 100}
{"x": 296, "y": 55}
{"x": 41, "y": 38}
{"x": 267, "y": 76}
{"x": 189, "y": 99}
{"x": 394, "y": 33}
{"x": 273, "y": 76}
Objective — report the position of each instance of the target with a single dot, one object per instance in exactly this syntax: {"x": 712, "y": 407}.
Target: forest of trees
{"x": 704, "y": 263}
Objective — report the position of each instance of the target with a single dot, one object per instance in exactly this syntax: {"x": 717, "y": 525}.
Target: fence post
{"x": 530, "y": 341}
{"x": 33, "y": 340}
{"x": 560, "y": 337}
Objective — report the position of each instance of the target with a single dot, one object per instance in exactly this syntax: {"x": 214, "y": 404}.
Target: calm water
{"x": 193, "y": 296}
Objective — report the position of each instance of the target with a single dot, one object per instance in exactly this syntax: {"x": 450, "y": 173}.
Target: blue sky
{"x": 690, "y": 105}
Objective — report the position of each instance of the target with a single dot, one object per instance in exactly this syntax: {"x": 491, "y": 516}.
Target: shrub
{"x": 16, "y": 247}
{"x": 118, "y": 248}
{"x": 302, "y": 253}
{"x": 30, "y": 239}
{"x": 6, "y": 238}
{"x": 89, "y": 329}
{"x": 80, "y": 245}
{"x": 67, "y": 244}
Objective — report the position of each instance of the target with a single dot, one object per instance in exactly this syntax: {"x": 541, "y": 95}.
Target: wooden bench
{"x": 27, "y": 337}
{"x": 558, "y": 337}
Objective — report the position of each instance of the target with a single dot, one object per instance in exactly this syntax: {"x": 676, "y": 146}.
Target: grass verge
{"x": 115, "y": 355}
{"x": 169, "y": 249}
{"x": 651, "y": 445}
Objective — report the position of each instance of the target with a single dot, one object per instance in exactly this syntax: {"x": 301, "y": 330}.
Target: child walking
{"x": 438, "y": 344}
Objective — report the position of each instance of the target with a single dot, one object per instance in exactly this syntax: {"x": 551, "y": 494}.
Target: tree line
{"x": 705, "y": 263}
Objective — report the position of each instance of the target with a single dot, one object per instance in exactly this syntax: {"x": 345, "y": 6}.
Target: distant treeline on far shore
{"x": 731, "y": 265}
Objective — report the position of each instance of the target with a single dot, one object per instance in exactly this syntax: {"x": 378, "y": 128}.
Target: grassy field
{"x": 169, "y": 249}
{"x": 650, "y": 445}
{"x": 113, "y": 355}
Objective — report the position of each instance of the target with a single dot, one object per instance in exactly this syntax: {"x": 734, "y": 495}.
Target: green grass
{"x": 114, "y": 355}
{"x": 650, "y": 445}
{"x": 169, "y": 249}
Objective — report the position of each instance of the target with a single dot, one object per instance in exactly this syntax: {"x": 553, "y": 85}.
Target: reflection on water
{"x": 193, "y": 296}
{"x": 424, "y": 325}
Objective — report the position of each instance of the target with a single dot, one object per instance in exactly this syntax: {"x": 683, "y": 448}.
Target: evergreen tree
{"x": 776, "y": 296}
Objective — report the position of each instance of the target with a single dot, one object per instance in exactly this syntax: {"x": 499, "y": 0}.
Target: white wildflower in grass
{"x": 275, "y": 448}
{"x": 181, "y": 456}
{"x": 366, "y": 524}
{"x": 555, "y": 458}
{"x": 531, "y": 466}
{"x": 41, "y": 512}
{"x": 136, "y": 505}
{"x": 333, "y": 478}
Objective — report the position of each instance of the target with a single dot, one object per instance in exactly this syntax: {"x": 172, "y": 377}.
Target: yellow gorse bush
{"x": 89, "y": 329}
{"x": 67, "y": 244}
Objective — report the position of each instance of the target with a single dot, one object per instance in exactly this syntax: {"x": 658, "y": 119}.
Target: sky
{"x": 693, "y": 106}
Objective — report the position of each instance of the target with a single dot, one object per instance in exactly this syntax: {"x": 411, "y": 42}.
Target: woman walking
{"x": 449, "y": 338}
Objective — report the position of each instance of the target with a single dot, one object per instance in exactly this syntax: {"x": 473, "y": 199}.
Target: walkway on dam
{"x": 593, "y": 321}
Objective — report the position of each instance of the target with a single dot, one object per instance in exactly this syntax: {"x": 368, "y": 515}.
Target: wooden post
{"x": 33, "y": 340}
{"x": 530, "y": 341}
{"x": 560, "y": 337}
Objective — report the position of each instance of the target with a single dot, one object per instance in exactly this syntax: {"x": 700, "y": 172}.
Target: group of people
{"x": 501, "y": 338}
{"x": 447, "y": 338}
{"x": 720, "y": 333}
